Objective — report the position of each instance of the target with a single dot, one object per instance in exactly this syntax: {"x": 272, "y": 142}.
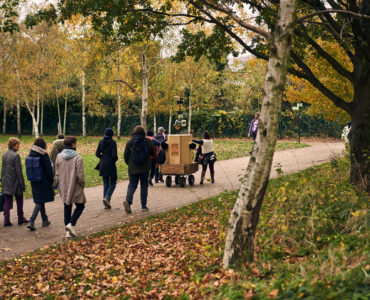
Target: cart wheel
{"x": 182, "y": 181}
{"x": 168, "y": 181}
{"x": 177, "y": 181}
{"x": 191, "y": 179}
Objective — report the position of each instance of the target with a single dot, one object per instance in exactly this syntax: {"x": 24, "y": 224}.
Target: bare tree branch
{"x": 321, "y": 12}
{"x": 237, "y": 19}
{"x": 129, "y": 86}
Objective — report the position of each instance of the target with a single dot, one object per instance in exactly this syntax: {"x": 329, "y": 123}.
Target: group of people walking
{"x": 63, "y": 170}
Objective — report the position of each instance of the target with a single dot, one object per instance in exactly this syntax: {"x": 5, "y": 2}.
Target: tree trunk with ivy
{"x": 359, "y": 135}
{"x": 243, "y": 220}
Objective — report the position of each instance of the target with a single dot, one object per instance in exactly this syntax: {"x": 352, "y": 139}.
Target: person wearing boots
{"x": 208, "y": 156}
{"x": 70, "y": 177}
{"x": 107, "y": 152}
{"x": 42, "y": 187}
{"x": 12, "y": 181}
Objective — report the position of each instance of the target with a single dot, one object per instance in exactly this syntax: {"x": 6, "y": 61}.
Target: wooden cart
{"x": 179, "y": 160}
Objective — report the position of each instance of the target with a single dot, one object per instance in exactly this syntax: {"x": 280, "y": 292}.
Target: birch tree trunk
{"x": 33, "y": 119}
{"x": 190, "y": 111}
{"x": 155, "y": 123}
{"x": 119, "y": 113}
{"x": 65, "y": 112}
{"x": 244, "y": 217}
{"x": 144, "y": 98}
{"x": 35, "y": 129}
{"x": 38, "y": 108}
{"x": 4, "y": 119}
{"x": 83, "y": 105}
{"x": 58, "y": 109}
{"x": 19, "y": 129}
{"x": 42, "y": 118}
{"x": 170, "y": 122}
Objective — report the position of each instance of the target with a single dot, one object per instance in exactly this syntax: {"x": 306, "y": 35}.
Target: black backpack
{"x": 139, "y": 151}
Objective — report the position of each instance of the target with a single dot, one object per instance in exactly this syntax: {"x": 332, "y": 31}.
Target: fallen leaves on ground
{"x": 148, "y": 259}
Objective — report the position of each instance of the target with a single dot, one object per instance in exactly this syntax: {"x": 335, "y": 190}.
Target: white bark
{"x": 155, "y": 123}
{"x": 42, "y": 118}
{"x": 35, "y": 129}
{"x": 38, "y": 108}
{"x": 119, "y": 113}
{"x": 58, "y": 109}
{"x": 190, "y": 112}
{"x": 19, "y": 130}
{"x": 170, "y": 122}
{"x": 83, "y": 105}
{"x": 144, "y": 98}
{"x": 34, "y": 123}
{"x": 65, "y": 111}
{"x": 244, "y": 217}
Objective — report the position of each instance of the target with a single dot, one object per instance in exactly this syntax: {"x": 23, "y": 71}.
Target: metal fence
{"x": 219, "y": 125}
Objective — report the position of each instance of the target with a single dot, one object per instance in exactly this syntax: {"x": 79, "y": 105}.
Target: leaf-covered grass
{"x": 225, "y": 149}
{"x": 312, "y": 243}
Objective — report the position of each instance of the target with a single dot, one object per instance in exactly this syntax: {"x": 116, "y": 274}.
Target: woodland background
{"x": 61, "y": 74}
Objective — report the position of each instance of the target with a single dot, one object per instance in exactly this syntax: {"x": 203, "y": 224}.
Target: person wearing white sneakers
{"x": 70, "y": 178}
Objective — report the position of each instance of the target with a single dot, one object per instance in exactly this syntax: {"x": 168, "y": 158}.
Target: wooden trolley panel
{"x": 168, "y": 169}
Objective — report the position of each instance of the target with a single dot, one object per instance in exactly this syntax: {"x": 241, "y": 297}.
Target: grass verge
{"x": 312, "y": 243}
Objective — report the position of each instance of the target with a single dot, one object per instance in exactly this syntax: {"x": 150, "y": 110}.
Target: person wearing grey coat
{"x": 12, "y": 181}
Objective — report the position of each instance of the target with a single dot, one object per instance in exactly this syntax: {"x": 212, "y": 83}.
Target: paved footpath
{"x": 18, "y": 240}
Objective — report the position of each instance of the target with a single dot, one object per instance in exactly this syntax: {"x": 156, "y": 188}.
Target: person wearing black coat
{"x": 107, "y": 152}
{"x": 42, "y": 191}
{"x": 138, "y": 171}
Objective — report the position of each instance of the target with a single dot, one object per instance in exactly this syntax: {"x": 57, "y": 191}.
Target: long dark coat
{"x": 107, "y": 152}
{"x": 11, "y": 173}
{"x": 42, "y": 191}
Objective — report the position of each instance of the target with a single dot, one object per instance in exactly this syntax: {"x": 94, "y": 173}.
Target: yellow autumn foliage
{"x": 299, "y": 90}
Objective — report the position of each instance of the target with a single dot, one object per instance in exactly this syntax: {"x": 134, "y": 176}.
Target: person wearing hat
{"x": 160, "y": 137}
{"x": 107, "y": 153}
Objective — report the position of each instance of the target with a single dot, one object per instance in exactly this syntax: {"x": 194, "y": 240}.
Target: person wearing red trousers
{"x": 12, "y": 181}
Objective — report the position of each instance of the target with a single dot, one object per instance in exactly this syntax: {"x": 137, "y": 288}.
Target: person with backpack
{"x": 207, "y": 157}
{"x": 70, "y": 177}
{"x": 137, "y": 155}
{"x": 40, "y": 173}
{"x": 12, "y": 182}
{"x": 154, "y": 171}
{"x": 107, "y": 153}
